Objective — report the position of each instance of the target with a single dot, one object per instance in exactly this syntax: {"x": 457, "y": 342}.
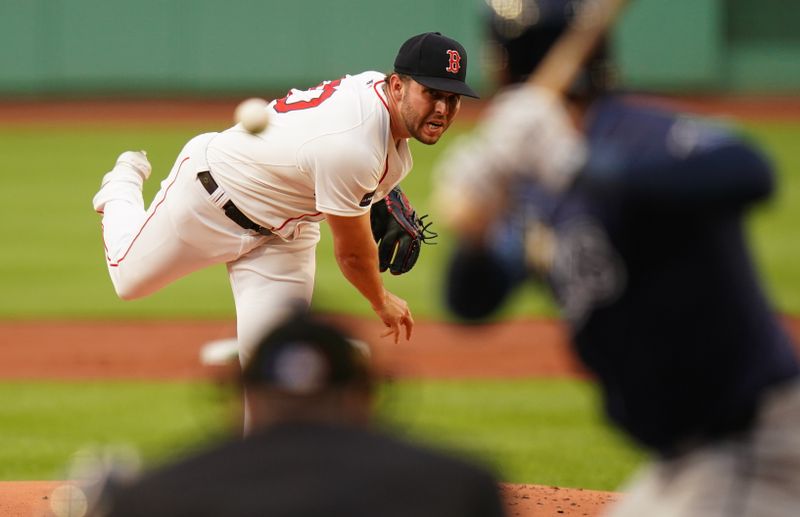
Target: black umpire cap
{"x": 305, "y": 356}
{"x": 435, "y": 61}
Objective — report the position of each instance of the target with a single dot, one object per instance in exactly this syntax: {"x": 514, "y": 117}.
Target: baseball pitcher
{"x": 255, "y": 201}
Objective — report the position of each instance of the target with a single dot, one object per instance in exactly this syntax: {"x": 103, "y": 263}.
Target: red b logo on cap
{"x": 455, "y": 62}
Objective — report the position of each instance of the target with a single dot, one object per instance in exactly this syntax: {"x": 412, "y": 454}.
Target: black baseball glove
{"x": 398, "y": 232}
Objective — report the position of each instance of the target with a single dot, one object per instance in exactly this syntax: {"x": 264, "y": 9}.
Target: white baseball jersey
{"x": 326, "y": 150}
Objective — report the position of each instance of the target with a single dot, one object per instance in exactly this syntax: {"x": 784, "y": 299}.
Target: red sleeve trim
{"x": 385, "y": 170}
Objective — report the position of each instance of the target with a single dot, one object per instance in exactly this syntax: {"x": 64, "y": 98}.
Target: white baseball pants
{"x": 756, "y": 474}
{"x": 185, "y": 229}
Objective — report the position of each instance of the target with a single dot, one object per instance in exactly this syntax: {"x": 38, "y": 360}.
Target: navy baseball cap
{"x": 435, "y": 61}
{"x": 304, "y": 356}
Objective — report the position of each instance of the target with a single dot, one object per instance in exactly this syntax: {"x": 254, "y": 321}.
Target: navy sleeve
{"x": 480, "y": 277}
{"x": 673, "y": 162}
{"x": 477, "y": 283}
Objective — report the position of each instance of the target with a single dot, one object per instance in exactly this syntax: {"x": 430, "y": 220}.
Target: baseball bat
{"x": 563, "y": 62}
{"x": 556, "y": 72}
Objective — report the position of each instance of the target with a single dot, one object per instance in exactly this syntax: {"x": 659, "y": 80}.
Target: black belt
{"x": 230, "y": 209}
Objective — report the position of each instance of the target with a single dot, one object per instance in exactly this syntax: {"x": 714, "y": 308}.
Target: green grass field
{"x": 51, "y": 266}
{"x": 532, "y": 431}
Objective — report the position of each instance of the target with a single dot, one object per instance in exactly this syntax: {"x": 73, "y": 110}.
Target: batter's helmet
{"x": 524, "y": 31}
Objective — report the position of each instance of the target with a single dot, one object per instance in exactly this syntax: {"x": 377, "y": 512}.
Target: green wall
{"x": 763, "y": 38}
{"x": 666, "y": 44}
{"x": 90, "y": 47}
{"x": 711, "y": 45}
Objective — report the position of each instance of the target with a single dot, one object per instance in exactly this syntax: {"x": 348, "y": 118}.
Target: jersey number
{"x": 300, "y": 100}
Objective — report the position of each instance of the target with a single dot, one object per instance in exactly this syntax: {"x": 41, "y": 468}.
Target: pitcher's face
{"x": 427, "y": 113}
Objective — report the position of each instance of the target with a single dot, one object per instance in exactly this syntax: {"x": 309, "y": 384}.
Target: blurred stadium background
{"x": 177, "y": 47}
{"x": 208, "y": 55}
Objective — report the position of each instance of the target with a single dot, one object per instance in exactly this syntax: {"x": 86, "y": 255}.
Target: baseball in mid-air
{"x": 252, "y": 114}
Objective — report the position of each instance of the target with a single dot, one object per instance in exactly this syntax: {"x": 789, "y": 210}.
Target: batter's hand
{"x": 527, "y": 131}
{"x": 395, "y": 314}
